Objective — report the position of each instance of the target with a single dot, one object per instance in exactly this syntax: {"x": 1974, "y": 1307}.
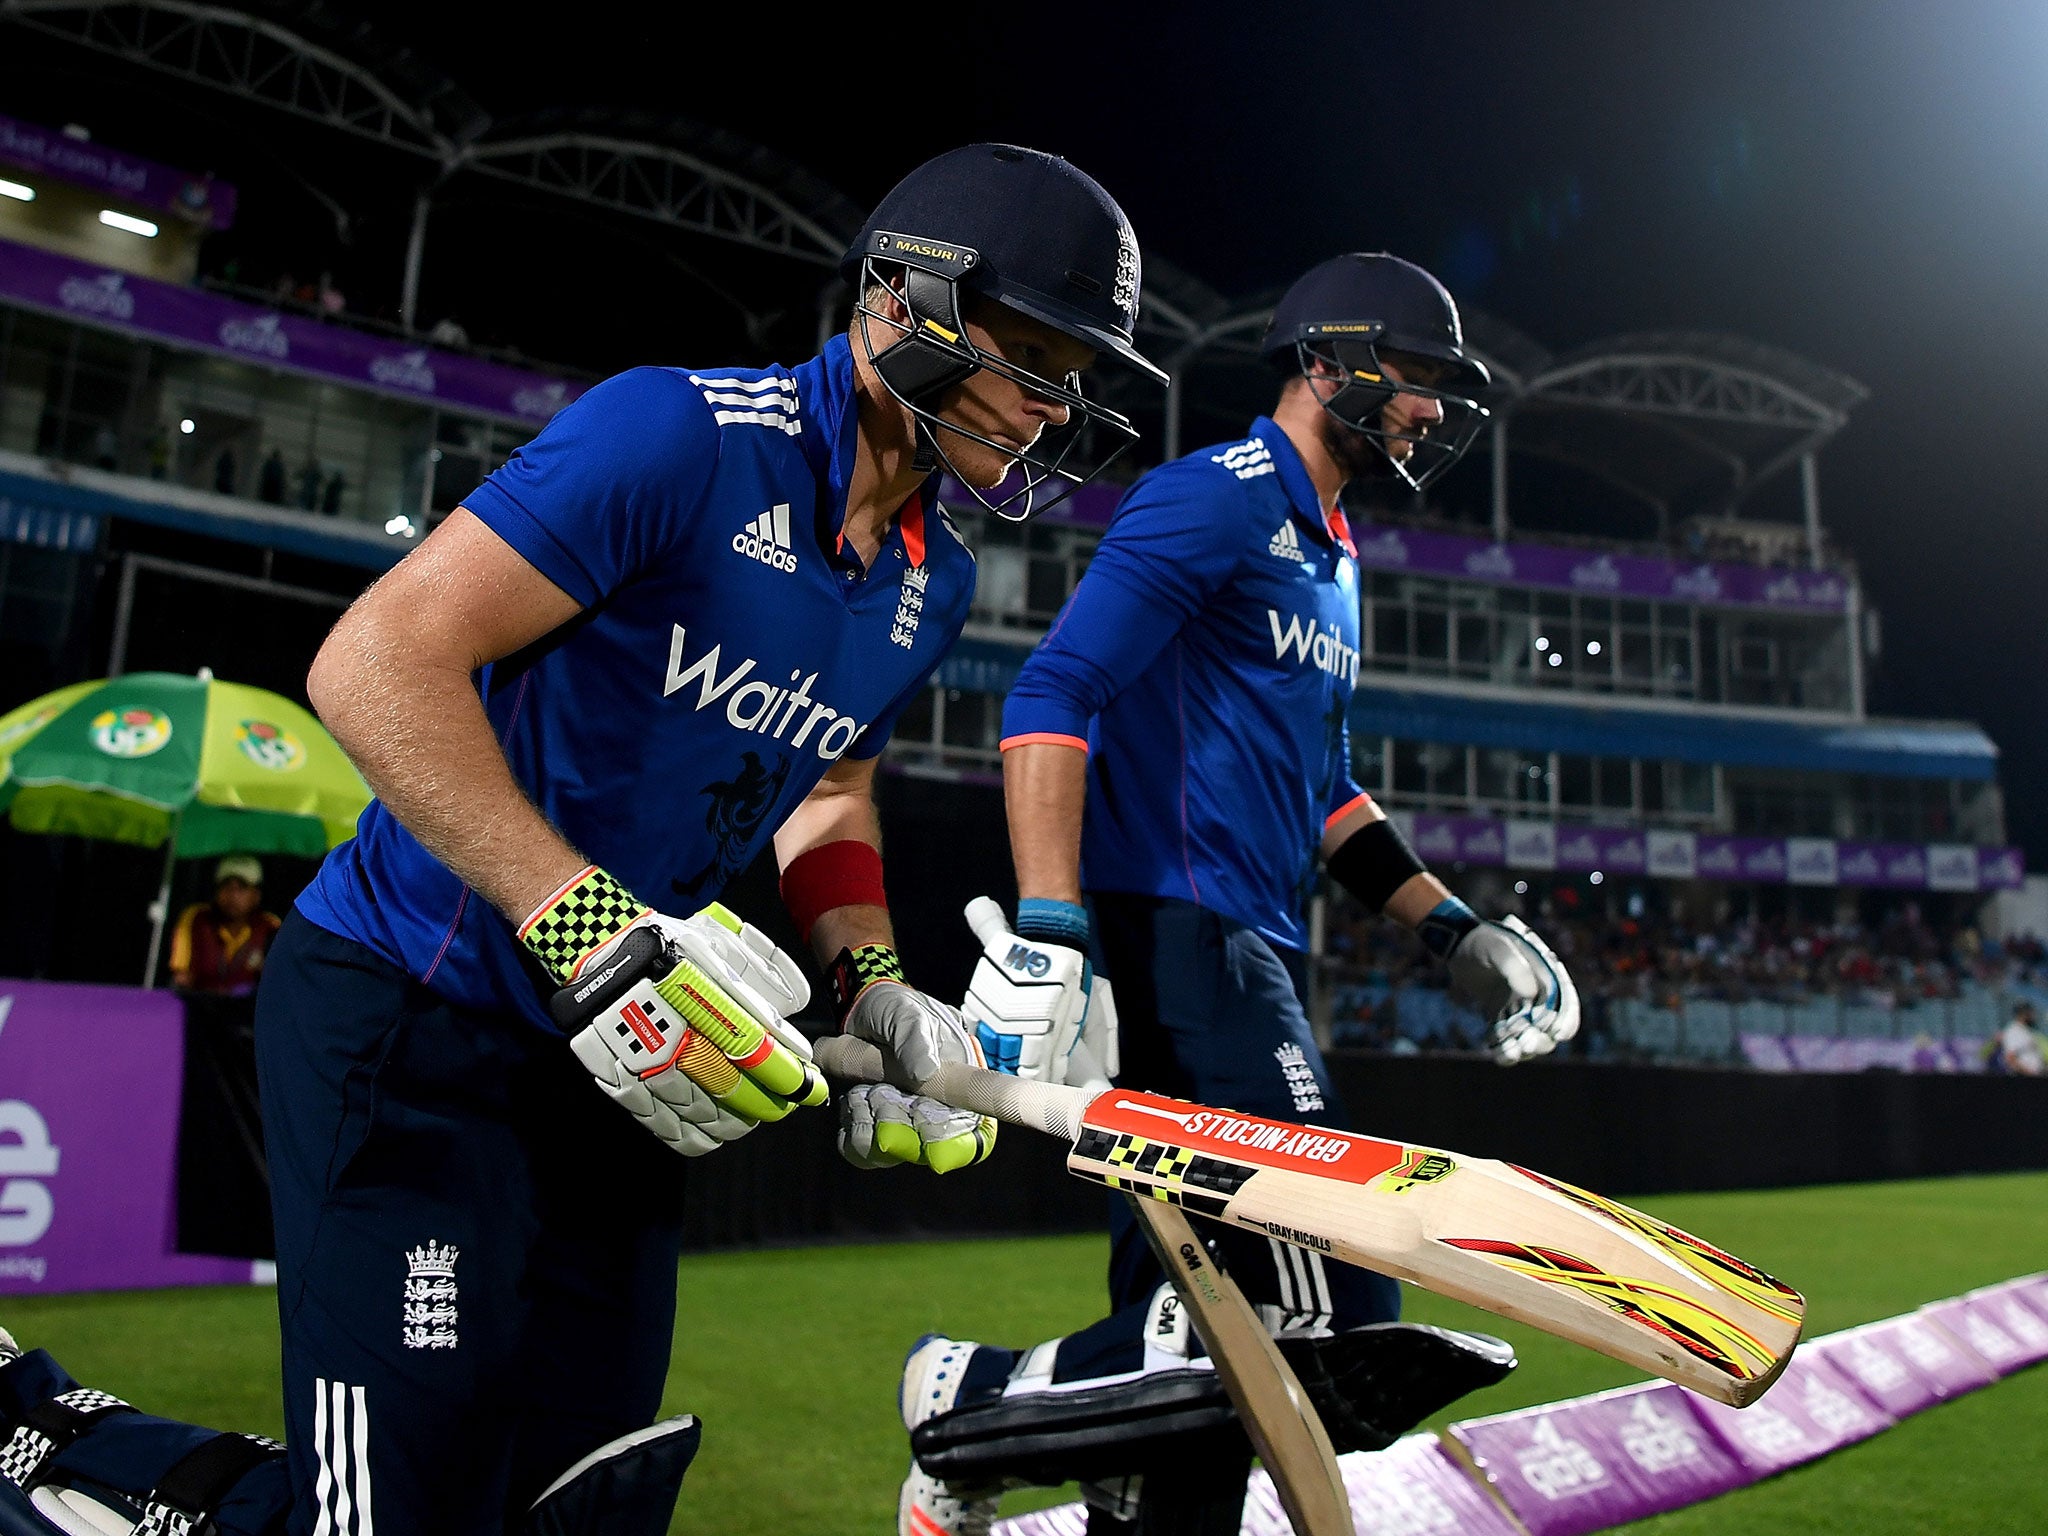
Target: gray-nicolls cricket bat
{"x": 1489, "y": 1233}
{"x": 1271, "y": 1404}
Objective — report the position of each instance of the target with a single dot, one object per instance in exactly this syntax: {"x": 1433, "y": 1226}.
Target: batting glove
{"x": 680, "y": 1020}
{"x": 891, "y": 1123}
{"x": 1030, "y": 989}
{"x": 1514, "y": 977}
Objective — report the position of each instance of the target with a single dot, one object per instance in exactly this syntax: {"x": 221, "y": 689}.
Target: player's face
{"x": 999, "y": 407}
{"x": 1410, "y": 415}
{"x": 236, "y": 898}
{"x": 1404, "y": 416}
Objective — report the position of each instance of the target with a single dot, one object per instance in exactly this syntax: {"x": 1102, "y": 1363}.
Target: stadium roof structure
{"x": 303, "y": 60}
{"x": 1682, "y": 421}
{"x": 1685, "y": 421}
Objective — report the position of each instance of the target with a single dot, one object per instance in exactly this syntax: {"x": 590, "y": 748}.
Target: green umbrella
{"x": 193, "y": 765}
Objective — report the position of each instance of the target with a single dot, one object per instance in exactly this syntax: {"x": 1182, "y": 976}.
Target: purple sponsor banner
{"x": 141, "y": 305}
{"x": 2015, "y": 1313}
{"x": 1939, "y": 1355}
{"x": 1060, "y": 1520}
{"x": 2000, "y": 869}
{"x": 1872, "y": 1360}
{"x": 88, "y": 1142}
{"x": 1486, "y": 840}
{"x": 123, "y": 178}
{"x": 1612, "y": 850}
{"x": 1978, "y": 1326}
{"x": 2032, "y": 1289}
{"x": 1812, "y": 1053}
{"x": 1414, "y": 1485}
{"x": 1595, "y": 1462}
{"x": 1602, "y": 575}
{"x": 1760, "y": 859}
{"x": 1469, "y": 839}
{"x": 1812, "y": 1410}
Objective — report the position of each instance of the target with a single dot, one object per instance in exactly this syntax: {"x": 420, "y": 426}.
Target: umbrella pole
{"x": 160, "y": 910}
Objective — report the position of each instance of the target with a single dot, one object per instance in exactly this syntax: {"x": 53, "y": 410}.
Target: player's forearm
{"x": 416, "y": 730}
{"x": 836, "y": 813}
{"x": 1415, "y": 897}
{"x": 1045, "y": 787}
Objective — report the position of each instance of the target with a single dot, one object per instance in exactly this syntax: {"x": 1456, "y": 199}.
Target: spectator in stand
{"x": 330, "y": 499}
{"x": 218, "y": 947}
{"x": 270, "y": 481}
{"x": 309, "y": 484}
{"x": 2019, "y": 1047}
{"x": 224, "y": 472}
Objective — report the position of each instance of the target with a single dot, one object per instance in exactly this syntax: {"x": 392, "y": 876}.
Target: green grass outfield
{"x": 790, "y": 1358}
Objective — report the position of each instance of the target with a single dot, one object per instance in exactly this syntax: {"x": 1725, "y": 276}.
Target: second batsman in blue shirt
{"x": 1176, "y": 749}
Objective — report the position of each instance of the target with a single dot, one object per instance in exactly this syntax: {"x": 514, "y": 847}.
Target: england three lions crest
{"x": 430, "y": 1297}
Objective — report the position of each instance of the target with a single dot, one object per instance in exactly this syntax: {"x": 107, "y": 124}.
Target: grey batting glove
{"x": 1512, "y": 976}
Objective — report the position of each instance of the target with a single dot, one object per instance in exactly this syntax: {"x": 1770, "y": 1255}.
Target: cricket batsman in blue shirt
{"x": 1176, "y": 769}
{"x": 675, "y": 628}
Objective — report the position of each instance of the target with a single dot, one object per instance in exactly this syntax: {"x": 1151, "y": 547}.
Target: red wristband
{"x": 847, "y": 873}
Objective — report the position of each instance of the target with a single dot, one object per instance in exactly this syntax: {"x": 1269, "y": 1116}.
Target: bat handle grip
{"x": 1048, "y": 1107}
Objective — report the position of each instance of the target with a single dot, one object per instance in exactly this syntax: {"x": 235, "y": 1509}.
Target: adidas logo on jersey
{"x": 1247, "y": 460}
{"x": 1285, "y": 545}
{"x": 766, "y": 539}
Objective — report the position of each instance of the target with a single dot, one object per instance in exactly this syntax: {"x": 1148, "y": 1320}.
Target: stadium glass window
{"x": 1688, "y": 790}
{"x": 1432, "y": 638}
{"x": 1614, "y": 784}
{"x": 1432, "y": 772}
{"x": 1369, "y": 756}
{"x": 1475, "y": 632}
{"x": 1513, "y": 779}
{"x": 1574, "y": 781}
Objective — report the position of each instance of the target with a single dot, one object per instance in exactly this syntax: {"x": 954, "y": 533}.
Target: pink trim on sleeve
{"x": 1044, "y": 738}
{"x": 1346, "y": 809}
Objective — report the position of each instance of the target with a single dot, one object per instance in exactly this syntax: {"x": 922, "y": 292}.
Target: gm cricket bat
{"x": 1503, "y": 1238}
{"x": 1271, "y": 1404}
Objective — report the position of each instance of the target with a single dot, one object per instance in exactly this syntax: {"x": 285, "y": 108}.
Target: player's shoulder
{"x": 749, "y": 400}
{"x": 1218, "y": 487}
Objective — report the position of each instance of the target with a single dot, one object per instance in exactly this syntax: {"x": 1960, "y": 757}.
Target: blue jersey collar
{"x": 830, "y": 435}
{"x": 1294, "y": 480}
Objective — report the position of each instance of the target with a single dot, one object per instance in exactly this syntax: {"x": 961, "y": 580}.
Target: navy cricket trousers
{"x": 1210, "y": 1010}
{"x": 476, "y": 1249}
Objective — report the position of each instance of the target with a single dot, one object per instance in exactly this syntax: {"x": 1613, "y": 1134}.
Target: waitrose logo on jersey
{"x": 783, "y": 712}
{"x": 1324, "y": 649}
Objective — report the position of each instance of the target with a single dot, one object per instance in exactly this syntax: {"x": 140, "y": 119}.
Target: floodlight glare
{"x": 1521, "y": 887}
{"x": 17, "y": 191}
{"x": 188, "y": 426}
{"x": 1596, "y": 877}
{"x": 1556, "y": 660}
{"x": 133, "y": 226}
{"x": 402, "y": 525}
{"x": 1592, "y": 647}
{"x": 1542, "y": 642}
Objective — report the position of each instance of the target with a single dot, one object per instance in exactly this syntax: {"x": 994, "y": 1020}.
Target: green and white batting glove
{"x": 885, "y": 1124}
{"x": 683, "y": 1021}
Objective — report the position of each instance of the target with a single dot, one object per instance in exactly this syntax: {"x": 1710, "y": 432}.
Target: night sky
{"x": 1864, "y": 182}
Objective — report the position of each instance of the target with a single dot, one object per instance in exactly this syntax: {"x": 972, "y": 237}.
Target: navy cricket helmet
{"x": 1024, "y": 229}
{"x": 1337, "y": 320}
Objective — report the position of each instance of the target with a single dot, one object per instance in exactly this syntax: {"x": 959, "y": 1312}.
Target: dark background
{"x": 1864, "y": 182}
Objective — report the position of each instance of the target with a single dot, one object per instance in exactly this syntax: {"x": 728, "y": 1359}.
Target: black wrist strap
{"x": 1374, "y": 862}
{"x": 855, "y": 969}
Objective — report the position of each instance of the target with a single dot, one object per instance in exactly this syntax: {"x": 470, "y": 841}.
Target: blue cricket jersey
{"x": 729, "y": 653}
{"x": 1206, "y": 661}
